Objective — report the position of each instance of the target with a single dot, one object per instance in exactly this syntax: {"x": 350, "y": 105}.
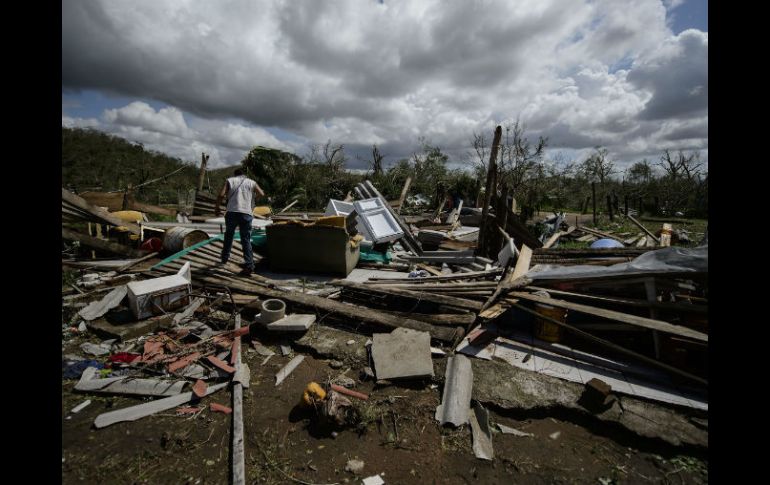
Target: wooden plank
{"x": 640, "y": 226}
{"x": 415, "y": 295}
{"x": 239, "y": 462}
{"x": 611, "y": 345}
{"x": 135, "y": 262}
{"x": 149, "y": 208}
{"x": 404, "y": 191}
{"x": 522, "y": 263}
{"x": 132, "y": 413}
{"x": 617, "y": 300}
{"x": 429, "y": 269}
{"x": 600, "y": 234}
{"x": 521, "y": 269}
{"x": 112, "y": 200}
{"x": 288, "y": 206}
{"x": 434, "y": 279}
{"x": 101, "y": 214}
{"x": 354, "y": 312}
{"x": 614, "y": 315}
{"x": 100, "y": 244}
{"x": 552, "y": 240}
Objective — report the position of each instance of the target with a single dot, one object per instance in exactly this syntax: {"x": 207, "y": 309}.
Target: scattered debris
{"x": 403, "y": 353}
{"x": 482, "y": 435}
{"x": 139, "y": 411}
{"x": 81, "y": 406}
{"x": 373, "y": 480}
{"x": 456, "y": 400}
{"x": 288, "y": 369}
{"x": 219, "y": 408}
{"x": 354, "y": 466}
{"x": 508, "y": 430}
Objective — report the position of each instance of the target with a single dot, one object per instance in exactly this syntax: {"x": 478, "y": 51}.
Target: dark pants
{"x": 243, "y": 223}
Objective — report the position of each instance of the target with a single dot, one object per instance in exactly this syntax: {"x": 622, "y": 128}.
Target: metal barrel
{"x": 178, "y": 238}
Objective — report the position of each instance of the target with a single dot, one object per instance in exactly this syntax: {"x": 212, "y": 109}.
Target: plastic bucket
{"x": 545, "y": 330}
{"x": 178, "y": 238}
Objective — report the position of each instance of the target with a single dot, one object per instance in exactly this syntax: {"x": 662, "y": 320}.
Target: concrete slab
{"x": 403, "y": 353}
{"x": 128, "y": 331}
{"x": 296, "y": 322}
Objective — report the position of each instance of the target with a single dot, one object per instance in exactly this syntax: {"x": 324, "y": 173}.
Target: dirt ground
{"x": 397, "y": 438}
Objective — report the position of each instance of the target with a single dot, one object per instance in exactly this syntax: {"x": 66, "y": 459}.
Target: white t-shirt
{"x": 240, "y": 194}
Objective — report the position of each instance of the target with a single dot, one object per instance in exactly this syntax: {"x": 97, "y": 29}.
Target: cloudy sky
{"x": 183, "y": 77}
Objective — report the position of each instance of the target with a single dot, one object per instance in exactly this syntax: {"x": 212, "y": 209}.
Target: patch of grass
{"x": 455, "y": 439}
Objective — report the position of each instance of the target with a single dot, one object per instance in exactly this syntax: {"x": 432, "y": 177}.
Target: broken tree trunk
{"x": 490, "y": 187}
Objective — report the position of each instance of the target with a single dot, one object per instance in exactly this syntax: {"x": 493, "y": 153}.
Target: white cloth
{"x": 240, "y": 194}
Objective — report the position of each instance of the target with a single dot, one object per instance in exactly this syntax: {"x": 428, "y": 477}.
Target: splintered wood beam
{"x": 644, "y": 322}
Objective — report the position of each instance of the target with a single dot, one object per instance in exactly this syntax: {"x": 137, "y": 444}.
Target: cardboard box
{"x": 317, "y": 248}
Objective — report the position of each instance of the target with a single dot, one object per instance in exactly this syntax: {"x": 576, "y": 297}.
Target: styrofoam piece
{"x": 166, "y": 290}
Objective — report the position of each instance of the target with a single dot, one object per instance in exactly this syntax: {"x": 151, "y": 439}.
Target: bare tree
{"x": 687, "y": 165}
{"x": 334, "y": 156}
{"x": 598, "y": 167}
{"x": 377, "y": 160}
{"x": 480, "y": 153}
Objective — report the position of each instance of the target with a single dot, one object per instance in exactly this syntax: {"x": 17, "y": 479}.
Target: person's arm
{"x": 220, "y": 198}
{"x": 258, "y": 190}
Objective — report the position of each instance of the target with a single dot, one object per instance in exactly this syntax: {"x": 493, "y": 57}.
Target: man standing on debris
{"x": 239, "y": 191}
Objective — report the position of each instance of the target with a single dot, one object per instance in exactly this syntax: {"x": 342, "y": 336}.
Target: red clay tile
{"x": 218, "y": 408}
{"x": 199, "y": 389}
{"x": 187, "y": 410}
{"x": 234, "y": 352}
{"x": 184, "y": 362}
{"x": 221, "y": 364}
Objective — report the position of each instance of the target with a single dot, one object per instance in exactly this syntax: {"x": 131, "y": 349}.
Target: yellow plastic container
{"x": 129, "y": 216}
{"x": 262, "y": 210}
{"x": 545, "y": 330}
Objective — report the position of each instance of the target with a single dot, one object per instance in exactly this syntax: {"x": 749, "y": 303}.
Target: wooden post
{"x": 404, "y": 191}
{"x": 657, "y": 205}
{"x": 489, "y": 188}
{"x": 593, "y": 199}
{"x": 625, "y": 204}
{"x": 501, "y": 213}
{"x": 639, "y": 213}
{"x": 609, "y": 206}
{"x": 202, "y": 175}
